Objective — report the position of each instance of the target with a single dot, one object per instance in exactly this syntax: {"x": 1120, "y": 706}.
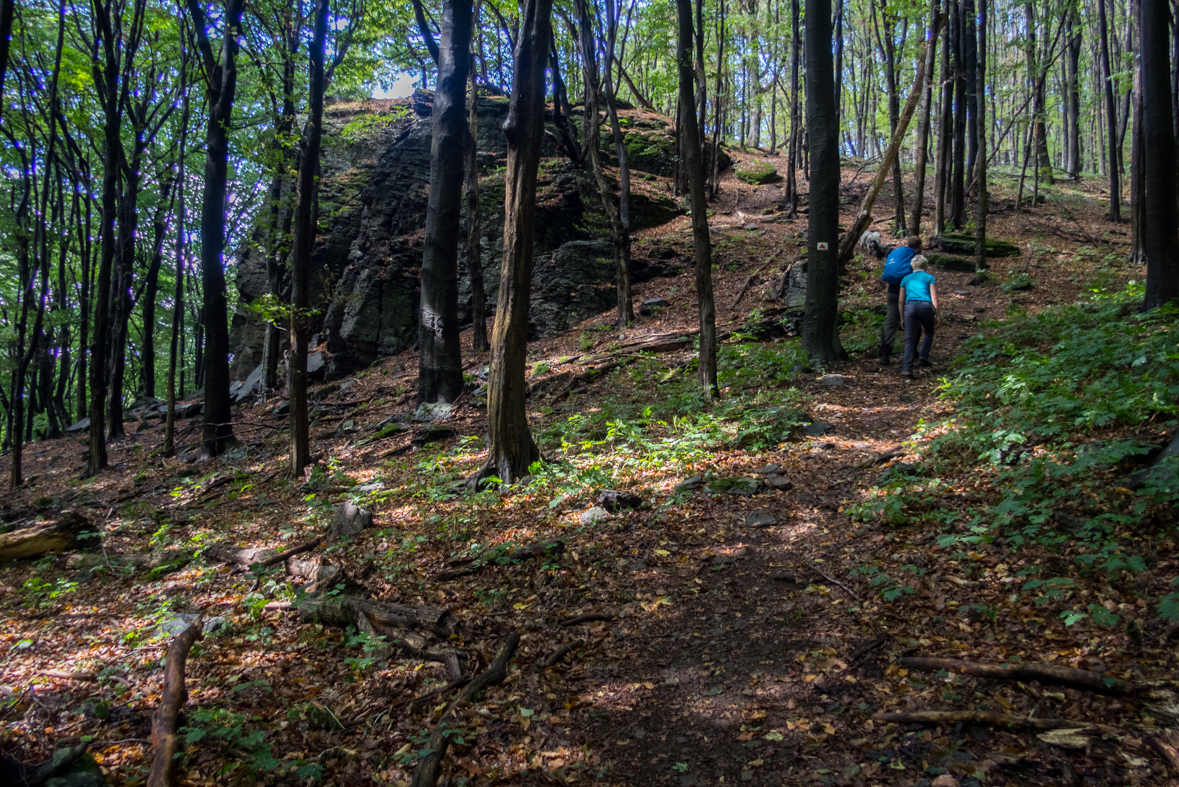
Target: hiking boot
{"x": 883, "y": 360}
{"x": 923, "y": 363}
{"x": 910, "y": 378}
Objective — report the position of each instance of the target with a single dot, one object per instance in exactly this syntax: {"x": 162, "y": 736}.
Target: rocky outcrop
{"x": 366, "y": 262}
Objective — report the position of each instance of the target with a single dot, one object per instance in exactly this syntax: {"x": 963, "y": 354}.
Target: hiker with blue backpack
{"x": 896, "y": 267}
{"x": 918, "y": 307}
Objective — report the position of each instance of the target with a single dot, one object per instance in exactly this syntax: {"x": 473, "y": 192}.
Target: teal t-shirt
{"x": 916, "y": 286}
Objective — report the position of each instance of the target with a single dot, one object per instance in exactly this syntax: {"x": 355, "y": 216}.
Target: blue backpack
{"x": 898, "y": 266}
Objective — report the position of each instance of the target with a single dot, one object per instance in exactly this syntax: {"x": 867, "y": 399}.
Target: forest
{"x": 477, "y": 392}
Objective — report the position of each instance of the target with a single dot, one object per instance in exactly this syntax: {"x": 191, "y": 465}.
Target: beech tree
{"x": 220, "y": 71}
{"x": 440, "y": 370}
{"x": 820, "y": 326}
{"x": 511, "y": 450}
{"x": 690, "y": 145}
{"x": 1161, "y": 238}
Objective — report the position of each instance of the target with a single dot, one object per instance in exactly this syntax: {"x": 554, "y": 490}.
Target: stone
{"x": 594, "y": 516}
{"x": 738, "y": 485}
{"x": 688, "y": 484}
{"x": 833, "y": 380}
{"x": 433, "y": 434}
{"x": 240, "y": 391}
{"x": 82, "y": 772}
{"x": 908, "y": 398}
{"x": 945, "y": 780}
{"x": 375, "y": 486}
{"x": 365, "y": 263}
{"x": 964, "y": 245}
{"x": 283, "y": 408}
{"x": 779, "y": 483}
{"x": 769, "y": 469}
{"x": 757, "y": 174}
{"x": 432, "y": 411}
{"x": 656, "y": 303}
{"x": 213, "y": 626}
{"x": 818, "y": 429}
{"x": 176, "y": 624}
{"x": 760, "y": 519}
{"x": 315, "y": 363}
{"x": 349, "y": 520}
{"x": 614, "y": 500}
{"x": 79, "y": 426}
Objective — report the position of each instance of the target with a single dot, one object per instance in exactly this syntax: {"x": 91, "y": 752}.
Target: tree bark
{"x": 1160, "y": 236}
{"x": 945, "y": 138}
{"x": 795, "y": 119}
{"x": 820, "y": 327}
{"x": 1137, "y": 255}
{"x": 163, "y": 725}
{"x": 474, "y": 250}
{"x": 305, "y": 191}
{"x": 1115, "y": 185}
{"x": 980, "y": 177}
{"x": 221, "y": 73}
{"x": 1072, "y": 166}
{"x": 694, "y": 166}
{"x": 923, "y": 123}
{"x": 512, "y": 449}
{"x": 440, "y": 368}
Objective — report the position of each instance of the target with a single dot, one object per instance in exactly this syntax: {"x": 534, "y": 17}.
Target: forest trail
{"x": 735, "y": 640}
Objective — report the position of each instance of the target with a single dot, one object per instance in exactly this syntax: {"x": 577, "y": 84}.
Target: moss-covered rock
{"x": 757, "y": 173}
{"x": 954, "y": 243}
{"x": 651, "y": 211}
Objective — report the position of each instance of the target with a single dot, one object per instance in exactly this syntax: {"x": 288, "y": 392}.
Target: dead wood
{"x": 868, "y": 647}
{"x": 749, "y": 281}
{"x": 589, "y": 617}
{"x": 463, "y": 567}
{"x": 430, "y": 766}
{"x": 996, "y": 720}
{"x": 1161, "y": 696}
{"x": 67, "y": 675}
{"x": 590, "y": 374}
{"x": 846, "y": 589}
{"x": 56, "y": 535}
{"x": 163, "y": 727}
{"x": 280, "y": 557}
{"x": 1166, "y": 743}
{"x": 420, "y": 632}
{"x": 558, "y": 655}
{"x": 56, "y": 766}
{"x": 242, "y": 557}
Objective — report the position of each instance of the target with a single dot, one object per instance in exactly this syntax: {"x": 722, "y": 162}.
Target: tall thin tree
{"x": 1161, "y": 231}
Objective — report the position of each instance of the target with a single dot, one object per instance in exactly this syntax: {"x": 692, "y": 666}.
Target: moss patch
{"x": 757, "y": 173}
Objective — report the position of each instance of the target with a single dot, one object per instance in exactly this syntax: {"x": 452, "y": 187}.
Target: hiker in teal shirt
{"x": 918, "y": 304}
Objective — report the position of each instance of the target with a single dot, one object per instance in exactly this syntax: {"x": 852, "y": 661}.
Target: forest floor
{"x": 737, "y": 640}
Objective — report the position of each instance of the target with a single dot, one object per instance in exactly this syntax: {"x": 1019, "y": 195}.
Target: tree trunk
{"x": 945, "y": 137}
{"x": 980, "y": 176}
{"x": 305, "y": 190}
{"x": 626, "y": 313}
{"x": 474, "y": 250}
{"x": 1160, "y": 235}
{"x": 1115, "y": 185}
{"x": 1072, "y": 166}
{"x": 512, "y": 449}
{"x": 150, "y": 289}
{"x": 694, "y": 166}
{"x": 125, "y": 264}
{"x": 174, "y": 356}
{"x": 886, "y": 43}
{"x": 440, "y": 368}
{"x": 820, "y": 327}
{"x": 221, "y": 73}
{"x": 958, "y": 179}
{"x": 1137, "y": 255}
{"x": 923, "y": 124}
{"x": 792, "y": 144}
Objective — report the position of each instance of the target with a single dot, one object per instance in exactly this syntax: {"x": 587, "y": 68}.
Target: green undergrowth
{"x": 1054, "y": 417}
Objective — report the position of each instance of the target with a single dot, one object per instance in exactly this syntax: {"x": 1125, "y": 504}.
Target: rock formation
{"x": 366, "y": 262}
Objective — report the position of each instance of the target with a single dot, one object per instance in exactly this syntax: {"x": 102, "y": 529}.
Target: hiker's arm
{"x": 933, "y": 297}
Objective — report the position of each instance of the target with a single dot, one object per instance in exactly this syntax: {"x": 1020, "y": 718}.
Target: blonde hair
{"x": 918, "y": 263}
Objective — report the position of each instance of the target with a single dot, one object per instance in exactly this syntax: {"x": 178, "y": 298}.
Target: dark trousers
{"x": 892, "y": 321}
{"x": 919, "y": 316}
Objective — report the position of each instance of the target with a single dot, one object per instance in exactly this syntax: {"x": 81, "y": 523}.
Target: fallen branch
{"x": 1165, "y": 748}
{"x": 560, "y": 653}
{"x": 163, "y": 726}
{"x": 430, "y": 766}
{"x": 589, "y": 617}
{"x": 463, "y": 567}
{"x": 849, "y": 591}
{"x": 591, "y": 373}
{"x": 281, "y": 557}
{"x": 995, "y": 720}
{"x": 749, "y": 281}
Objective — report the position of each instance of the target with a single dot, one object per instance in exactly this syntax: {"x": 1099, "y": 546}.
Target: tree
{"x": 512, "y": 450}
{"x": 304, "y": 223}
{"x": 220, "y": 88}
{"x": 694, "y": 165}
{"x": 1161, "y": 238}
{"x": 820, "y": 331}
{"x": 980, "y": 178}
{"x": 1115, "y": 184}
{"x": 474, "y": 251}
{"x": 923, "y": 123}
{"x": 440, "y": 370}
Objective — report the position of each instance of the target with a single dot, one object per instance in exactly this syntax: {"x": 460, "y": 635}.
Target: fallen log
{"x": 1161, "y": 696}
{"x": 995, "y": 720}
{"x": 430, "y": 766}
{"x": 163, "y": 726}
{"x": 463, "y": 567}
{"x": 49, "y": 537}
{"x": 589, "y": 617}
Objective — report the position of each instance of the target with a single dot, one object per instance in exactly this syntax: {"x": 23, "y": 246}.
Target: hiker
{"x": 896, "y": 268}
{"x": 918, "y": 303}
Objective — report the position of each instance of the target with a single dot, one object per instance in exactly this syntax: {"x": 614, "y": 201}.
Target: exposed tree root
{"x": 995, "y": 720}
{"x": 558, "y": 655}
{"x": 163, "y": 726}
{"x": 430, "y": 766}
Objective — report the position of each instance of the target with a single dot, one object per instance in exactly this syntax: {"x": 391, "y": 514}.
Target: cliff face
{"x": 367, "y": 259}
